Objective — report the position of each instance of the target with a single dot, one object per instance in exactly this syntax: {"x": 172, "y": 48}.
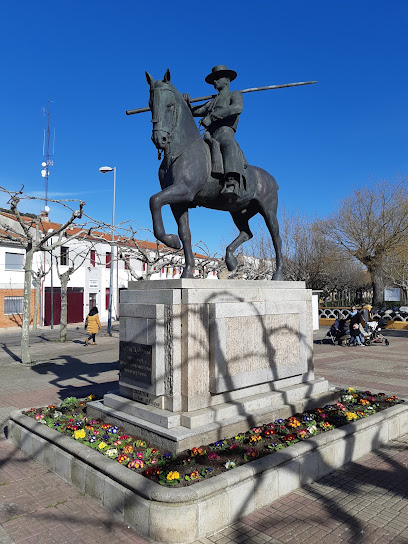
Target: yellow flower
{"x": 351, "y": 390}
{"x": 351, "y": 415}
{"x": 79, "y": 434}
{"x": 173, "y": 475}
{"x": 102, "y": 445}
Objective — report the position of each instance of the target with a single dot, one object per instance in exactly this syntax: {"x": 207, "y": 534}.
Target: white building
{"x": 89, "y": 284}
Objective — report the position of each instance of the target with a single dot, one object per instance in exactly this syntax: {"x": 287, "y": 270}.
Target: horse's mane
{"x": 186, "y": 123}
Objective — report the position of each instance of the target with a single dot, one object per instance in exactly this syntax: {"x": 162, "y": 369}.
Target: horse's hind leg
{"x": 180, "y": 213}
{"x": 271, "y": 220}
{"x": 241, "y": 221}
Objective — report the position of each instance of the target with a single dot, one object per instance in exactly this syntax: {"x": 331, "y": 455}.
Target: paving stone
{"x": 368, "y": 495}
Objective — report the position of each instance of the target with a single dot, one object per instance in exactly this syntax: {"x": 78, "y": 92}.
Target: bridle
{"x": 156, "y": 119}
{"x": 170, "y": 130}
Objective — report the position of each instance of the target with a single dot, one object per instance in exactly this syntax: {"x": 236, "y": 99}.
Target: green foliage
{"x": 70, "y": 402}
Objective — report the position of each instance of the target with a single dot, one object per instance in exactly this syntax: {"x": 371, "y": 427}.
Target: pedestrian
{"x": 355, "y": 320}
{"x": 92, "y": 325}
{"x": 367, "y": 315}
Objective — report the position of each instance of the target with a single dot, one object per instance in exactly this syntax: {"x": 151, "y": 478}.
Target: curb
{"x": 175, "y": 515}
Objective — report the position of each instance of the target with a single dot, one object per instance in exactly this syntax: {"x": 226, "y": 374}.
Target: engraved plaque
{"x": 145, "y": 398}
{"x": 135, "y": 363}
{"x": 261, "y": 342}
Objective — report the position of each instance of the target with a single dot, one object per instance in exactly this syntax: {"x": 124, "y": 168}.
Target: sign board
{"x": 135, "y": 363}
{"x": 93, "y": 284}
{"x": 392, "y": 293}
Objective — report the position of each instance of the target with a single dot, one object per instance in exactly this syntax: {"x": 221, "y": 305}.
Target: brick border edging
{"x": 174, "y": 515}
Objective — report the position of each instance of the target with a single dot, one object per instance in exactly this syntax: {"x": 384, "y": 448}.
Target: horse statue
{"x": 186, "y": 180}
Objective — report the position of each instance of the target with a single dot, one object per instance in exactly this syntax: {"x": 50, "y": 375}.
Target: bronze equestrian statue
{"x": 186, "y": 180}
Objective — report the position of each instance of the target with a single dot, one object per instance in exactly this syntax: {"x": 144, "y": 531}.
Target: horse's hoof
{"x": 278, "y": 276}
{"x": 187, "y": 273}
{"x": 172, "y": 240}
{"x": 231, "y": 262}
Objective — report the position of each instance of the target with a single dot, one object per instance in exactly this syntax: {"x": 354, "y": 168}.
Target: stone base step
{"x": 225, "y": 421}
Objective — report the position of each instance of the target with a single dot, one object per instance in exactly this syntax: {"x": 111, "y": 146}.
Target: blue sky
{"x": 319, "y": 141}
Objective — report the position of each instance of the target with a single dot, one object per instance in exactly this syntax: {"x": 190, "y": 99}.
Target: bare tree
{"x": 153, "y": 255}
{"x": 396, "y": 269}
{"x": 38, "y": 275}
{"x": 75, "y": 260}
{"x": 371, "y": 224}
{"x": 33, "y": 235}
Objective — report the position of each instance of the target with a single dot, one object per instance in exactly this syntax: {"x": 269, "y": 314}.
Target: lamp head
{"x": 104, "y": 169}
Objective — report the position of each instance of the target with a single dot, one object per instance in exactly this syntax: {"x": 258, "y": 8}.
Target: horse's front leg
{"x": 180, "y": 213}
{"x": 174, "y": 194}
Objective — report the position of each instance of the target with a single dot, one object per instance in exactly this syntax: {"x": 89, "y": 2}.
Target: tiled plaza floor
{"x": 364, "y": 502}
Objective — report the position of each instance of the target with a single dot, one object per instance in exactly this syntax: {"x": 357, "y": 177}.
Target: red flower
{"x": 269, "y": 432}
{"x": 289, "y": 438}
{"x": 152, "y": 471}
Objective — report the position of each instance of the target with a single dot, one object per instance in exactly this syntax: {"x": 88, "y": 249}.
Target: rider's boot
{"x": 230, "y": 188}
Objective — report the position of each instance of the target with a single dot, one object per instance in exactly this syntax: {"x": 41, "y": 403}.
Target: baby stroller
{"x": 338, "y": 332}
{"x": 375, "y": 337}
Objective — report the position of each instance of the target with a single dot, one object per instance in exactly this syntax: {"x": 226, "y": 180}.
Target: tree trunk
{"x": 64, "y": 306}
{"x": 377, "y": 282}
{"x": 36, "y": 303}
{"x": 25, "y": 329}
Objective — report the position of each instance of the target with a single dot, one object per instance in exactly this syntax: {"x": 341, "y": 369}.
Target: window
{"x": 93, "y": 257}
{"x": 92, "y": 300}
{"x": 108, "y": 260}
{"x": 64, "y": 255}
{"x": 13, "y": 305}
{"x": 14, "y": 261}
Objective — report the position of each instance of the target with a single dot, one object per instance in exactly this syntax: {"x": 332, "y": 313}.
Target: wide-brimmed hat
{"x": 220, "y": 71}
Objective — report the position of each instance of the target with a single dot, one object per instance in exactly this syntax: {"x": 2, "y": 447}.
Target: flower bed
{"x": 202, "y": 462}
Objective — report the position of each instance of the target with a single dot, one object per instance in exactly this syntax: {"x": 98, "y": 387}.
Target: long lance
{"x": 251, "y": 90}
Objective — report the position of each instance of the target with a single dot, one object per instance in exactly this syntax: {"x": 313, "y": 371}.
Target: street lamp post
{"x": 104, "y": 170}
{"x": 52, "y": 283}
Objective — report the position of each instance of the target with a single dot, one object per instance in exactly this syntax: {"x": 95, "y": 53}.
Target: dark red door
{"x": 56, "y": 306}
{"x": 75, "y": 301}
{"x": 75, "y": 305}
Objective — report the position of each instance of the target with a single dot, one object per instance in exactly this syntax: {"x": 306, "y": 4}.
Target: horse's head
{"x": 164, "y": 104}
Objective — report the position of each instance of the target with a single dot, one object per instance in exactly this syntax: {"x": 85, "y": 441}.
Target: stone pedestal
{"x": 201, "y": 360}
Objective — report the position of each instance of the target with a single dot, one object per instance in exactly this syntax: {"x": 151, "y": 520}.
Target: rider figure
{"x": 220, "y": 119}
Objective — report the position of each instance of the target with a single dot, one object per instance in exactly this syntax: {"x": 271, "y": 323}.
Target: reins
{"x": 170, "y": 130}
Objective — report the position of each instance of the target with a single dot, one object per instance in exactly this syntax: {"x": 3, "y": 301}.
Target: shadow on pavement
{"x": 76, "y": 378}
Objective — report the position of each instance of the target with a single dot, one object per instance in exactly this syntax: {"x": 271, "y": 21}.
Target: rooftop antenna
{"x": 45, "y": 172}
